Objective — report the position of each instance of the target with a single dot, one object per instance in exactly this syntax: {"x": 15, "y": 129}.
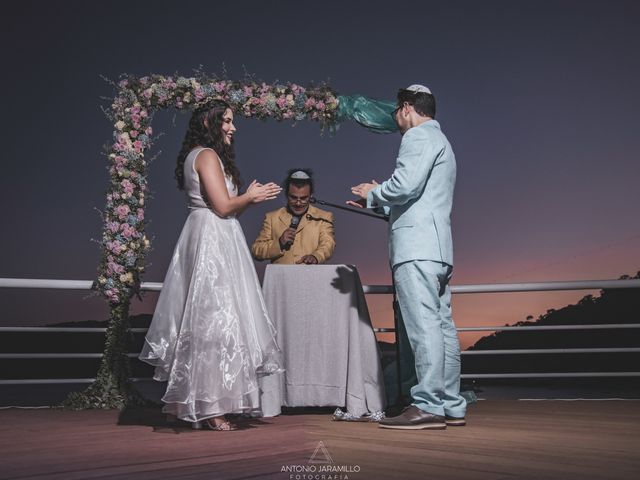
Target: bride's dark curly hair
{"x": 199, "y": 135}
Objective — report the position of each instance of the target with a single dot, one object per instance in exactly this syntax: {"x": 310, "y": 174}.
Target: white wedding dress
{"x": 210, "y": 337}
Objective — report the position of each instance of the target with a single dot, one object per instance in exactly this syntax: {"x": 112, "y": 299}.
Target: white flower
{"x": 126, "y": 278}
{"x": 120, "y": 125}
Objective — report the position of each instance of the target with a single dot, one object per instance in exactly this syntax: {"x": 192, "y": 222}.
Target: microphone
{"x": 318, "y": 219}
{"x": 294, "y": 224}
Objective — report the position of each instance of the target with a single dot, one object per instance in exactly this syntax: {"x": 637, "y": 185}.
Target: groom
{"x": 418, "y": 197}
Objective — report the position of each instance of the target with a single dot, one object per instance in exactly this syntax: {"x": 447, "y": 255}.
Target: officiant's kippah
{"x": 418, "y": 88}
{"x": 300, "y": 175}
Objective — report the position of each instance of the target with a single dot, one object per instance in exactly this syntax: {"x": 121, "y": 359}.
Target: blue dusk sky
{"x": 539, "y": 99}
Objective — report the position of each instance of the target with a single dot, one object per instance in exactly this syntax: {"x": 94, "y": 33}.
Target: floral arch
{"x": 124, "y": 243}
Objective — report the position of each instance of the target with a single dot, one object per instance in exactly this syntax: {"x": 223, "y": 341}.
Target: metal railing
{"x": 370, "y": 290}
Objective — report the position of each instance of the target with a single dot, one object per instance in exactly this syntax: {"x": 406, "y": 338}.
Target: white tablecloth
{"x": 330, "y": 352}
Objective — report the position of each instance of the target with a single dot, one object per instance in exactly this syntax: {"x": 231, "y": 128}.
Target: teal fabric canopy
{"x": 372, "y": 114}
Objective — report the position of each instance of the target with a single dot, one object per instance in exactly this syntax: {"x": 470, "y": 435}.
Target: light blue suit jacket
{"x": 418, "y": 197}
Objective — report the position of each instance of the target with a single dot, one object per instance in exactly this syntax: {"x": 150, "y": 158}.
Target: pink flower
{"x": 127, "y": 186}
{"x": 133, "y": 133}
{"x": 113, "y": 227}
{"x": 320, "y": 105}
{"x": 309, "y": 103}
{"x": 281, "y": 102}
{"x": 115, "y": 247}
{"x": 135, "y": 118}
{"x": 112, "y": 295}
{"x": 148, "y": 131}
{"x": 147, "y": 93}
{"x": 128, "y": 231}
{"x": 140, "y": 214}
{"x": 137, "y": 145}
{"x": 122, "y": 211}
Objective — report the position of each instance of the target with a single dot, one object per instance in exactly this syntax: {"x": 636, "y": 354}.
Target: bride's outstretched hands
{"x": 259, "y": 193}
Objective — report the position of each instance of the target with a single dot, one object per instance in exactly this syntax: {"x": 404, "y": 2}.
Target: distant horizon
{"x": 381, "y": 319}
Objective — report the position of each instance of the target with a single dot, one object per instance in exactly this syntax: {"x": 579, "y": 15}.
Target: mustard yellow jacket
{"x": 314, "y": 236}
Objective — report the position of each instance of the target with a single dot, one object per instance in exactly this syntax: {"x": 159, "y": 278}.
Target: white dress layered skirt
{"x": 210, "y": 337}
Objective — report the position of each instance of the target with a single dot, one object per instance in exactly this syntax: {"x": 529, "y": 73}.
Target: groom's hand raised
{"x": 361, "y": 191}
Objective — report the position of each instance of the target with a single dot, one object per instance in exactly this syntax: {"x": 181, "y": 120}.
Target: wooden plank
{"x": 503, "y": 439}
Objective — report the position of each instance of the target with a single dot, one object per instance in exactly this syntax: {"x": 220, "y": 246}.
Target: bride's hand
{"x": 259, "y": 193}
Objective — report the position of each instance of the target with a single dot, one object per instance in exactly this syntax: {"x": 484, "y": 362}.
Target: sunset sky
{"x": 539, "y": 99}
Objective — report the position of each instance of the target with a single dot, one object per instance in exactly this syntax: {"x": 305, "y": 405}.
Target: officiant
{"x": 298, "y": 233}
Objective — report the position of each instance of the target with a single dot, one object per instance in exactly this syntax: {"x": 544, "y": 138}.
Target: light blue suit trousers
{"x": 424, "y": 296}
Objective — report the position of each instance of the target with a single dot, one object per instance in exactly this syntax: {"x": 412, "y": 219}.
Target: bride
{"x": 210, "y": 337}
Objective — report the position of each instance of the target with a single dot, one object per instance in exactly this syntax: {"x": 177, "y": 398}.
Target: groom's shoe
{"x": 455, "y": 421}
{"x": 412, "y": 418}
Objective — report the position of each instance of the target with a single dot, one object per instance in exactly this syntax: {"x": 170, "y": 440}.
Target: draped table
{"x": 331, "y": 357}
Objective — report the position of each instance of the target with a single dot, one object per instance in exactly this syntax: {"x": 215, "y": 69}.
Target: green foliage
{"x": 112, "y": 388}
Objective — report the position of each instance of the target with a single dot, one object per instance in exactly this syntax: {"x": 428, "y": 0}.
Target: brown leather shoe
{"x": 412, "y": 418}
{"x": 455, "y": 421}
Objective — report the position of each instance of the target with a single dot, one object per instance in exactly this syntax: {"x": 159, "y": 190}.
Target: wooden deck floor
{"x": 503, "y": 440}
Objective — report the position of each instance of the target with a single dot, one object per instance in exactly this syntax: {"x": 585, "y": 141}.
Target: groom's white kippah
{"x": 418, "y": 88}
{"x": 299, "y": 175}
